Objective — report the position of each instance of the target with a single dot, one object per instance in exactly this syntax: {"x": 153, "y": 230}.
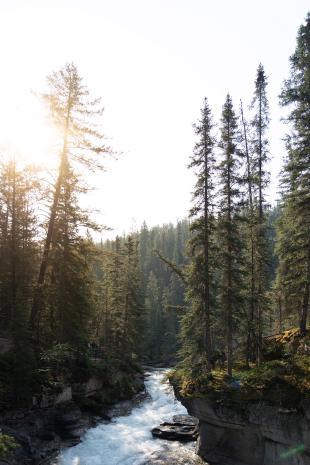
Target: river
{"x": 127, "y": 440}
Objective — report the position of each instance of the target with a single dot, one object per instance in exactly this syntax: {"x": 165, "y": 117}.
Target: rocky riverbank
{"x": 261, "y": 416}
{"x": 259, "y": 435}
{"x": 58, "y": 421}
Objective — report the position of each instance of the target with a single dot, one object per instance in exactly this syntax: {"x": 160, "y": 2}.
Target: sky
{"x": 152, "y": 62}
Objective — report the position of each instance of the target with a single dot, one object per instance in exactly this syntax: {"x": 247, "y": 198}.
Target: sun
{"x": 28, "y": 134}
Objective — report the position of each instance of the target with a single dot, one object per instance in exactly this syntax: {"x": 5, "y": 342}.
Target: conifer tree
{"x": 18, "y": 192}
{"x": 228, "y": 237}
{"x": 294, "y": 231}
{"x": 134, "y": 308}
{"x": 69, "y": 277}
{"x": 260, "y": 177}
{"x": 73, "y": 114}
{"x": 200, "y": 279}
{"x": 250, "y": 242}
{"x": 155, "y": 317}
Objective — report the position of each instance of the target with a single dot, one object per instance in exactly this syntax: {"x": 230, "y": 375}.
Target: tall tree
{"x": 202, "y": 229}
{"x": 260, "y": 124}
{"x": 134, "y": 308}
{"x": 294, "y": 237}
{"x": 73, "y": 114}
{"x": 250, "y": 236}
{"x": 230, "y": 247}
{"x": 18, "y": 192}
{"x": 69, "y": 277}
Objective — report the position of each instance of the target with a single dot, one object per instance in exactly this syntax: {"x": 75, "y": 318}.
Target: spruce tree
{"x": 230, "y": 282}
{"x": 200, "y": 291}
{"x": 18, "y": 228}
{"x": 249, "y": 241}
{"x": 69, "y": 277}
{"x": 73, "y": 115}
{"x": 260, "y": 176}
{"x": 134, "y": 317}
{"x": 155, "y": 317}
{"x": 294, "y": 231}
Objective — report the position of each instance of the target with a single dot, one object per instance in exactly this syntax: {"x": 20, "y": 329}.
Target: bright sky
{"x": 152, "y": 62}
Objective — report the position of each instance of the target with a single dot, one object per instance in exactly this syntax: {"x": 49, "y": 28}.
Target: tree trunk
{"x": 13, "y": 246}
{"x": 208, "y": 346}
{"x": 260, "y": 232}
{"x": 250, "y": 335}
{"x": 229, "y": 269}
{"x": 305, "y": 303}
{"x": 38, "y": 293}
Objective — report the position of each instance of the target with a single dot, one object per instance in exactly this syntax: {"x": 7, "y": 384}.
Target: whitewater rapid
{"x": 127, "y": 440}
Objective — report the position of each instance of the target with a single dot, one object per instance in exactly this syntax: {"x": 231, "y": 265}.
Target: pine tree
{"x": 18, "y": 193}
{"x": 294, "y": 231}
{"x": 200, "y": 292}
{"x": 260, "y": 176}
{"x": 155, "y": 317}
{"x": 228, "y": 237}
{"x": 134, "y": 307}
{"x": 69, "y": 281}
{"x": 250, "y": 242}
{"x": 72, "y": 113}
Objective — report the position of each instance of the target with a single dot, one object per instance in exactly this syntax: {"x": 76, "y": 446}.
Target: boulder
{"x": 181, "y": 428}
{"x": 258, "y": 434}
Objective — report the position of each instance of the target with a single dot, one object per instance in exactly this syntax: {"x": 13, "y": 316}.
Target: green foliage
{"x": 282, "y": 381}
{"x": 196, "y": 322}
{"x": 7, "y": 444}
{"x": 132, "y": 276}
{"x": 294, "y": 225}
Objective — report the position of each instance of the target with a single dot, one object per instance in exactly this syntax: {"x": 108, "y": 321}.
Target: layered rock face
{"x": 59, "y": 420}
{"x": 258, "y": 435}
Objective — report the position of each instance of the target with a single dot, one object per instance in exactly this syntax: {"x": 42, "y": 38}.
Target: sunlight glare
{"x": 28, "y": 134}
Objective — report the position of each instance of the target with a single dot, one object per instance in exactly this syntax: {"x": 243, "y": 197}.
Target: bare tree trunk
{"x": 305, "y": 303}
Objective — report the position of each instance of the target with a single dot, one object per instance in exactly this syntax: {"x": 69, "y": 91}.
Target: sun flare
{"x": 28, "y": 135}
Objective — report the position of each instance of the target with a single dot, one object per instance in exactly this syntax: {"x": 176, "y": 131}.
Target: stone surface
{"x": 260, "y": 434}
{"x": 181, "y": 428}
{"x": 54, "y": 422}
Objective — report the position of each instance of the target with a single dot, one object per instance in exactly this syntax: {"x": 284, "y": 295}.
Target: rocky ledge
{"x": 59, "y": 421}
{"x": 181, "y": 428}
{"x": 258, "y": 434}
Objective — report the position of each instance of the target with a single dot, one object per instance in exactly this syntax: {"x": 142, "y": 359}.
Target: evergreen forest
{"x": 211, "y": 295}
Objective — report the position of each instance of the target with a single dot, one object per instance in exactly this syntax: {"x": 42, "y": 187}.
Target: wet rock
{"x": 125, "y": 407}
{"x": 181, "y": 428}
{"x": 41, "y": 432}
{"x": 185, "y": 420}
{"x": 184, "y": 455}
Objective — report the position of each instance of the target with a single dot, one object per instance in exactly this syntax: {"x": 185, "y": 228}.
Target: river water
{"x": 127, "y": 440}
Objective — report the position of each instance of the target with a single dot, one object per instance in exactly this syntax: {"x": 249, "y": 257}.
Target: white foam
{"x": 128, "y": 439}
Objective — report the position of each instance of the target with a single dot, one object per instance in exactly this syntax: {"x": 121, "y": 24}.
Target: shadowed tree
{"x": 260, "y": 177}
{"x": 228, "y": 234}
{"x": 73, "y": 114}
{"x": 294, "y": 231}
{"x": 201, "y": 244}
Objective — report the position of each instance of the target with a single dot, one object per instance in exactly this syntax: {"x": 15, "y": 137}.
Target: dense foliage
{"x": 257, "y": 274}
{"x": 208, "y": 290}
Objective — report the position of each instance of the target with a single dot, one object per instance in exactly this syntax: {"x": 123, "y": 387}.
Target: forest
{"x": 204, "y": 294}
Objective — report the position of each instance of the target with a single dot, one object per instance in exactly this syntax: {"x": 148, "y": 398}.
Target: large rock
{"x": 259, "y": 434}
{"x": 181, "y": 428}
